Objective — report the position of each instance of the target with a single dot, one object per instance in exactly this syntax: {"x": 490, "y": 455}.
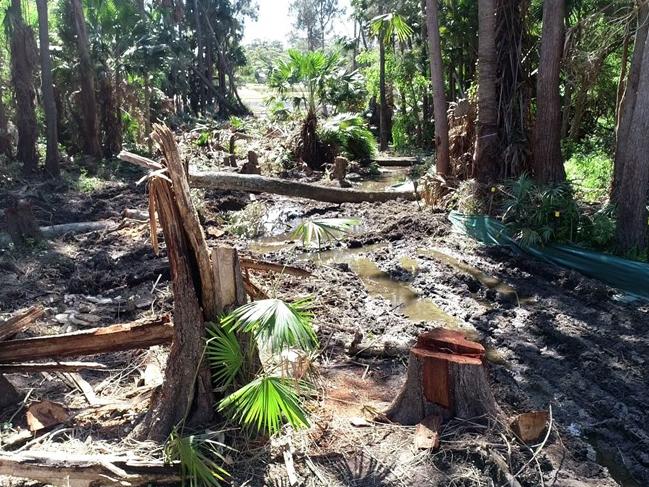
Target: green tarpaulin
{"x": 624, "y": 274}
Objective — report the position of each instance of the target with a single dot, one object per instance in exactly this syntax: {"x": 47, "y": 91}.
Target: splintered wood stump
{"x": 446, "y": 377}
{"x": 21, "y": 223}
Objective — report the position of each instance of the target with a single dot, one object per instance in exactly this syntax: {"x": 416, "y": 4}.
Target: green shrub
{"x": 349, "y": 134}
{"x": 590, "y": 173}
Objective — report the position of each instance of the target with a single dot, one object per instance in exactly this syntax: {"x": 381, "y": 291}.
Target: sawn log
{"x": 112, "y": 338}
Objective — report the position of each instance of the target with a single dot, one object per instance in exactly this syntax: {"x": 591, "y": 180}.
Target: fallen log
{"x": 69, "y": 469}
{"x": 446, "y": 377}
{"x": 112, "y": 338}
{"x": 54, "y": 231}
{"x": 261, "y": 265}
{"x": 397, "y": 161}
{"x": 263, "y": 184}
{"x": 20, "y": 322}
{"x": 30, "y": 367}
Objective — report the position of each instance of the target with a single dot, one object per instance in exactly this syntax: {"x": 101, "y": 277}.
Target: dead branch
{"x": 30, "y": 367}
{"x": 20, "y": 322}
{"x": 112, "y": 338}
{"x": 260, "y": 265}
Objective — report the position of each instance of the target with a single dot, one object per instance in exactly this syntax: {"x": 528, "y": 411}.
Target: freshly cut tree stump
{"x": 446, "y": 377}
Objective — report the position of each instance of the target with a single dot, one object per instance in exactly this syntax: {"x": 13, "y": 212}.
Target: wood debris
{"x": 45, "y": 414}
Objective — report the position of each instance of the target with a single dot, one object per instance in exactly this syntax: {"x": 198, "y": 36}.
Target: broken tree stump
{"x": 252, "y": 166}
{"x": 446, "y": 377}
{"x": 21, "y": 223}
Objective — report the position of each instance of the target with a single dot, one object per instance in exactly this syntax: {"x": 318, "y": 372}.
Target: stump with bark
{"x": 446, "y": 377}
{"x": 21, "y": 223}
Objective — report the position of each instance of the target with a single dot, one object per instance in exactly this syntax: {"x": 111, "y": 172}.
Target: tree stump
{"x": 339, "y": 172}
{"x": 446, "y": 377}
{"x": 252, "y": 166}
{"x": 21, "y": 223}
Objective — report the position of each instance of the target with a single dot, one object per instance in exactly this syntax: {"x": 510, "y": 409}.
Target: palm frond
{"x": 324, "y": 229}
{"x": 200, "y": 458}
{"x": 265, "y": 404}
{"x": 223, "y": 354}
{"x": 276, "y": 323}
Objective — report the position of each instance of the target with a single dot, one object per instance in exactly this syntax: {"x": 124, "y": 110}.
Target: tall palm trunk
{"x": 47, "y": 92}
{"x": 628, "y": 103}
{"x": 90, "y": 125}
{"x": 383, "y": 99}
{"x": 547, "y": 157}
{"x": 437, "y": 78}
{"x": 485, "y": 157}
{"x": 23, "y": 63}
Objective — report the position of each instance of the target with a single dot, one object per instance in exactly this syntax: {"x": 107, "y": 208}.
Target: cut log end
{"x": 445, "y": 377}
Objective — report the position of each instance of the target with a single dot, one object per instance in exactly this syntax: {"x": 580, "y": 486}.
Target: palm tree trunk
{"x": 439, "y": 98}
{"x": 632, "y": 184}
{"x": 23, "y": 63}
{"x": 485, "y": 157}
{"x": 547, "y": 158}
{"x": 383, "y": 99}
{"x": 47, "y": 90}
{"x": 627, "y": 106}
{"x": 90, "y": 126}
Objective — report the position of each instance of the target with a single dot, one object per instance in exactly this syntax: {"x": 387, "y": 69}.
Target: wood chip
{"x": 45, "y": 414}
{"x": 427, "y": 433}
{"x": 529, "y": 427}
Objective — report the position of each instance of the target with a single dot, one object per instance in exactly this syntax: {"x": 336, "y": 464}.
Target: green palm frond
{"x": 265, "y": 404}
{"x": 385, "y": 25}
{"x": 224, "y": 355}
{"x": 200, "y": 458}
{"x": 276, "y": 323}
{"x": 324, "y": 229}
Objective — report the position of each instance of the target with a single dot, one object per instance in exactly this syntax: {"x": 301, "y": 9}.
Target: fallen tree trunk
{"x": 446, "y": 377}
{"x": 112, "y": 338}
{"x": 31, "y": 367}
{"x": 54, "y": 231}
{"x": 20, "y": 322}
{"x": 397, "y": 161}
{"x": 261, "y": 265}
{"x": 68, "y": 469}
{"x": 263, "y": 184}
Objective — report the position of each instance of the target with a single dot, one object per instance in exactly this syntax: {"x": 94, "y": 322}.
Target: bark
{"x": 111, "y": 119}
{"x": 627, "y": 106}
{"x": 439, "y": 99}
{"x": 90, "y": 126}
{"x": 8, "y": 393}
{"x": 621, "y": 84}
{"x": 111, "y": 338}
{"x": 446, "y": 377}
{"x": 20, "y": 322}
{"x": 262, "y": 184}
{"x": 486, "y": 155}
{"x": 547, "y": 157}
{"x": 5, "y": 136}
{"x": 23, "y": 64}
{"x": 633, "y": 147}
{"x": 21, "y": 223}
{"x": 47, "y": 92}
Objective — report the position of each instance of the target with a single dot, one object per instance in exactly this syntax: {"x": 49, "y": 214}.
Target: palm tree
{"x": 23, "y": 64}
{"x": 485, "y": 157}
{"x": 47, "y": 90}
{"x": 546, "y": 154}
{"x": 437, "y": 78}
{"x": 306, "y": 73}
{"x": 383, "y": 27}
{"x": 90, "y": 126}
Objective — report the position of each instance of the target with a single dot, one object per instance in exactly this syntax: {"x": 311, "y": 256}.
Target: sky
{"x": 275, "y": 24}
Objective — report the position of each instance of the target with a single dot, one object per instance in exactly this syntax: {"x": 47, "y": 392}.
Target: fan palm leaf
{"x": 324, "y": 229}
{"x": 223, "y": 354}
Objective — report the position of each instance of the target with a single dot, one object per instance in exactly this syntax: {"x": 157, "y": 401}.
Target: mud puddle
{"x": 393, "y": 179}
{"x": 486, "y": 280}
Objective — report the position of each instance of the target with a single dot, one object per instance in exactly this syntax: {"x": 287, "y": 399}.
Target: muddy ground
{"x": 555, "y": 340}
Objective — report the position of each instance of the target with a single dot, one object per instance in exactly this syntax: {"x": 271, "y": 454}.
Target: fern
{"x": 322, "y": 230}
{"x": 276, "y": 323}
{"x": 264, "y": 404}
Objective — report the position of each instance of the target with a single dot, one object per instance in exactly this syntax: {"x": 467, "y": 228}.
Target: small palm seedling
{"x": 200, "y": 458}
{"x": 265, "y": 403}
{"x": 275, "y": 323}
{"x": 224, "y": 355}
{"x": 325, "y": 229}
